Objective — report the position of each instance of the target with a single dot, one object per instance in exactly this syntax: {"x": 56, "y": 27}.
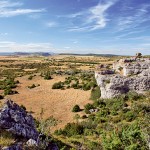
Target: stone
{"x": 31, "y": 142}
{"x": 13, "y": 147}
{"x": 16, "y": 120}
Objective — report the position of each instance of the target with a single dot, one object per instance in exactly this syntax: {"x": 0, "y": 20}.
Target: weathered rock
{"x": 31, "y": 142}
{"x": 132, "y": 66}
{"x": 112, "y": 85}
{"x": 17, "y": 121}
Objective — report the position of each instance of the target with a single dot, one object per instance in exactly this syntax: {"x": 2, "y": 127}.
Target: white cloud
{"x": 139, "y": 16}
{"x": 51, "y": 24}
{"x": 67, "y": 47}
{"x": 4, "y": 34}
{"x": 9, "y": 46}
{"x": 127, "y": 34}
{"x": 94, "y": 18}
{"x": 7, "y": 4}
{"x": 10, "y": 9}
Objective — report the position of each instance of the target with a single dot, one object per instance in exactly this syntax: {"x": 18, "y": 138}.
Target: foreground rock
{"x": 127, "y": 75}
{"x": 17, "y": 121}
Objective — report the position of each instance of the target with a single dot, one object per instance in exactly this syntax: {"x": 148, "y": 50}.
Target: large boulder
{"x": 16, "y": 120}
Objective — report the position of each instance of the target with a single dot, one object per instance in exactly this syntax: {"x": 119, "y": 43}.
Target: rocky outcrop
{"x": 135, "y": 77}
{"x": 132, "y": 66}
{"x": 17, "y": 121}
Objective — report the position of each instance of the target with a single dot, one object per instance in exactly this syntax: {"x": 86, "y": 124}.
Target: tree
{"x": 138, "y": 55}
{"x": 76, "y": 108}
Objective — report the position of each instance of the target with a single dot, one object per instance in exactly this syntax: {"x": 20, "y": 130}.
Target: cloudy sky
{"x": 75, "y": 26}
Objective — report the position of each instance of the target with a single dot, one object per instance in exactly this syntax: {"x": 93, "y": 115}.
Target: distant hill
{"x": 5, "y": 54}
{"x": 27, "y": 53}
{"x": 90, "y": 54}
{"x": 34, "y": 53}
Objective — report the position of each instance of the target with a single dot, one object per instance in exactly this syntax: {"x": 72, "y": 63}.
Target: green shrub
{"x": 84, "y": 117}
{"x": 30, "y": 77}
{"x": 58, "y": 85}
{"x": 32, "y": 86}
{"x": 103, "y": 112}
{"x": 114, "y": 113}
{"x": 87, "y": 107}
{"x": 95, "y": 93}
{"x": 134, "y": 96}
{"x": 58, "y": 132}
{"x": 116, "y": 119}
{"x": 23, "y": 107}
{"x": 129, "y": 116}
{"x": 76, "y": 108}
{"x": 72, "y": 129}
{"x": 86, "y": 87}
{"x": 47, "y": 75}
{"x": 9, "y": 91}
{"x": 99, "y": 103}
{"x": 129, "y": 138}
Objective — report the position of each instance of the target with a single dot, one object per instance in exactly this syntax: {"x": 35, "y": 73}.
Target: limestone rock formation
{"x": 17, "y": 121}
{"x": 128, "y": 75}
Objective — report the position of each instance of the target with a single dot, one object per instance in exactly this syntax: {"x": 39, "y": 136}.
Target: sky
{"x": 75, "y": 26}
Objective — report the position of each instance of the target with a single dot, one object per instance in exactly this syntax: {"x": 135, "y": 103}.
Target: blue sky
{"x": 75, "y": 26}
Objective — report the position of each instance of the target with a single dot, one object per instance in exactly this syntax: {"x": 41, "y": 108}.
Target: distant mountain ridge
{"x": 27, "y": 53}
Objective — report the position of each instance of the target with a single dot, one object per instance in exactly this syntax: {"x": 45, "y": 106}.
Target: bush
{"x": 99, "y": 103}
{"x": 32, "y": 86}
{"x": 86, "y": 87}
{"x": 95, "y": 93}
{"x": 72, "y": 129}
{"x": 47, "y": 76}
{"x": 129, "y": 116}
{"x": 84, "y": 117}
{"x": 9, "y": 91}
{"x": 129, "y": 137}
{"x": 76, "y": 108}
{"x": 30, "y": 77}
{"x": 23, "y": 107}
{"x": 87, "y": 107}
{"x": 134, "y": 96}
{"x": 58, "y": 132}
{"x": 116, "y": 119}
{"x": 58, "y": 85}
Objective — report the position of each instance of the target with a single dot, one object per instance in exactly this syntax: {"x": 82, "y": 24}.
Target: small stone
{"x": 31, "y": 142}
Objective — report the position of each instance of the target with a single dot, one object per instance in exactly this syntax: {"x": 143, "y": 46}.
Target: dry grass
{"x": 58, "y": 103}
{"x": 6, "y": 138}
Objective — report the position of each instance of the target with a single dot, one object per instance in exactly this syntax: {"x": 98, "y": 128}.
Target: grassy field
{"x": 58, "y": 102}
